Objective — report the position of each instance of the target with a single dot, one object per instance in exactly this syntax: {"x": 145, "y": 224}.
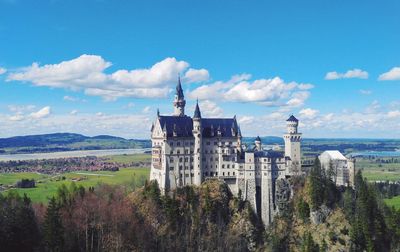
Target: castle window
{"x": 186, "y": 159}
{"x": 180, "y": 167}
{"x": 191, "y": 143}
{"x": 178, "y": 152}
{"x": 233, "y": 165}
{"x": 171, "y": 168}
{"x": 180, "y": 159}
{"x": 233, "y": 173}
{"x": 186, "y": 151}
{"x": 186, "y": 175}
{"x": 227, "y": 166}
{"x": 223, "y": 174}
{"x": 171, "y": 143}
{"x": 171, "y": 159}
{"x": 228, "y": 174}
{"x": 191, "y": 167}
{"x": 216, "y": 174}
{"x": 171, "y": 152}
{"x": 223, "y": 166}
{"x": 191, "y": 174}
{"x": 211, "y": 173}
{"x": 230, "y": 142}
{"x": 178, "y": 143}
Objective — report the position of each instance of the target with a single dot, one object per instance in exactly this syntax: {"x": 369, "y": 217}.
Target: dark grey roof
{"x": 258, "y": 138}
{"x": 179, "y": 90}
{"x": 269, "y": 154}
{"x": 227, "y": 126}
{"x": 182, "y": 126}
{"x": 292, "y": 119}
{"x": 197, "y": 113}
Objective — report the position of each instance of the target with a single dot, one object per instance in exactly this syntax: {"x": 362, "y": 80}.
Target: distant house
{"x": 342, "y": 169}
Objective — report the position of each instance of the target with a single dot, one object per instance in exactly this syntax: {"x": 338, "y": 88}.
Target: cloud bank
{"x": 355, "y": 73}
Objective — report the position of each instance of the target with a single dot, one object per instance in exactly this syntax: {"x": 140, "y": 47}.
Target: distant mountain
{"x": 66, "y": 142}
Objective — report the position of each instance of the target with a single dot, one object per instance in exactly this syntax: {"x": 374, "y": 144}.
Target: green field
{"x": 395, "y": 201}
{"x": 379, "y": 171}
{"x": 47, "y": 185}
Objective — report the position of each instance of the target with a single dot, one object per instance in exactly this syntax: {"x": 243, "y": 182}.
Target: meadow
{"x": 395, "y": 202}
{"x": 47, "y": 185}
{"x": 379, "y": 171}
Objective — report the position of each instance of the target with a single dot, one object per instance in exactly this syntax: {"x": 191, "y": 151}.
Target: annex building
{"x": 189, "y": 150}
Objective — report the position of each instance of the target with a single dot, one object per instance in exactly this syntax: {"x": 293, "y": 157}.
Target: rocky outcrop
{"x": 319, "y": 216}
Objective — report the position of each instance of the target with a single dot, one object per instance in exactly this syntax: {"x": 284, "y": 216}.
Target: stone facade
{"x": 342, "y": 169}
{"x": 189, "y": 150}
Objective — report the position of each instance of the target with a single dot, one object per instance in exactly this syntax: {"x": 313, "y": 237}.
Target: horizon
{"x": 334, "y": 65}
{"x": 266, "y": 136}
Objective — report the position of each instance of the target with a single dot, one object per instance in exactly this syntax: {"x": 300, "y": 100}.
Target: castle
{"x": 189, "y": 150}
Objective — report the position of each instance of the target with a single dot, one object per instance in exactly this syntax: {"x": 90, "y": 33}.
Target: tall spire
{"x": 179, "y": 101}
{"x": 179, "y": 90}
{"x": 197, "y": 113}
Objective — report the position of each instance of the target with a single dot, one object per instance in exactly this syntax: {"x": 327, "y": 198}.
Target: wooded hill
{"x": 319, "y": 217}
{"x": 66, "y": 142}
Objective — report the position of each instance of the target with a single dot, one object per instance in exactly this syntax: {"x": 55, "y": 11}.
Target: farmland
{"x": 47, "y": 185}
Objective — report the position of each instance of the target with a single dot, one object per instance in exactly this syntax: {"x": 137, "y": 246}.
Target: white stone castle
{"x": 188, "y": 151}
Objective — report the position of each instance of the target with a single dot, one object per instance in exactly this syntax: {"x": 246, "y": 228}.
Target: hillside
{"x": 66, "y": 142}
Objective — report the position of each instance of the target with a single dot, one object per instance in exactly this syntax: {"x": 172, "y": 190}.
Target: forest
{"x": 319, "y": 217}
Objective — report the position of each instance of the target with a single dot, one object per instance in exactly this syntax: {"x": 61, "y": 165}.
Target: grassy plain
{"x": 379, "y": 171}
{"x": 395, "y": 201}
{"x": 47, "y": 185}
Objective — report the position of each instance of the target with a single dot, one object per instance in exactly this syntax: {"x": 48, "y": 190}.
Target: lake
{"x": 68, "y": 154}
{"x": 376, "y": 154}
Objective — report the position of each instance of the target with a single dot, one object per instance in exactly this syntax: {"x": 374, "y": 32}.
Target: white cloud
{"x": 372, "y": 108}
{"x": 308, "y": 113}
{"x": 245, "y": 120}
{"x": 100, "y": 114}
{"x": 73, "y": 112}
{"x": 146, "y": 109}
{"x": 73, "y": 99}
{"x": 393, "y": 74}
{"x": 87, "y": 72}
{"x": 17, "y": 117}
{"x": 125, "y": 125}
{"x": 196, "y": 75}
{"x": 41, "y": 113}
{"x": 365, "y": 92}
{"x": 2, "y": 70}
{"x": 393, "y": 114}
{"x": 21, "y": 108}
{"x": 210, "y": 109}
{"x": 267, "y": 92}
{"x": 355, "y": 73}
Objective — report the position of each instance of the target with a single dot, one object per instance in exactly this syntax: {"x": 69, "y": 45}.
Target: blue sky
{"x": 334, "y": 64}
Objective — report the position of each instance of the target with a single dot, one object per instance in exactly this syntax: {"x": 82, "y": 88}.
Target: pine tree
{"x": 316, "y": 185}
{"x": 53, "y": 229}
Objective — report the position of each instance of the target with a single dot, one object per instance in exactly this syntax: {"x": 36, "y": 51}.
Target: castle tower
{"x": 257, "y": 142}
{"x": 197, "y": 146}
{"x": 179, "y": 100}
{"x": 292, "y": 144}
{"x": 239, "y": 140}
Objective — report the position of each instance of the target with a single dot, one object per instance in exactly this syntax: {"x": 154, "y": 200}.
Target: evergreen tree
{"x": 308, "y": 244}
{"x": 316, "y": 185}
{"x": 53, "y": 229}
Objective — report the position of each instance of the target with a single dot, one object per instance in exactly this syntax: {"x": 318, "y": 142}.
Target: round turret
{"x": 291, "y": 124}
